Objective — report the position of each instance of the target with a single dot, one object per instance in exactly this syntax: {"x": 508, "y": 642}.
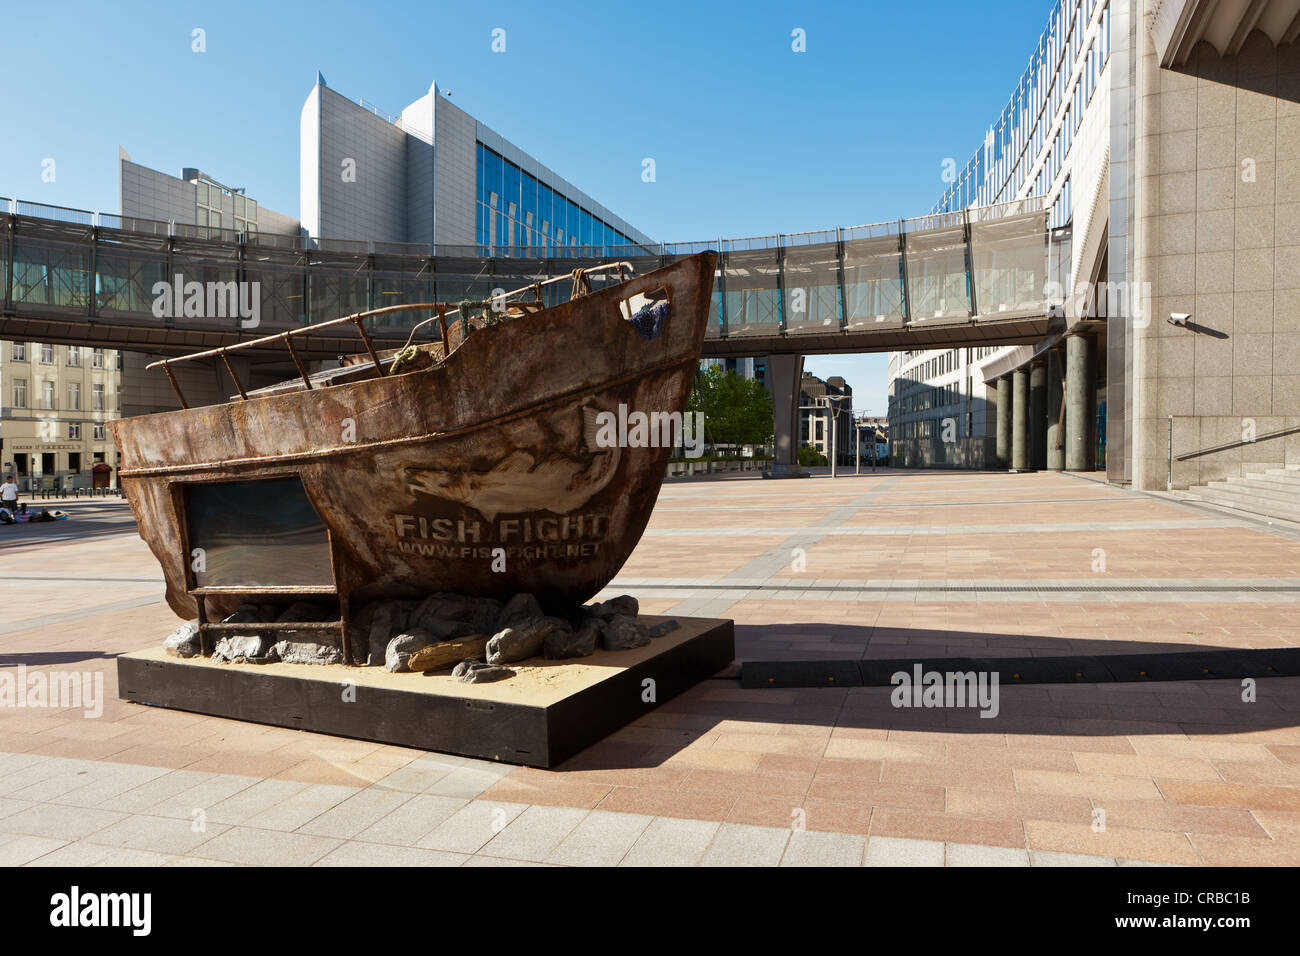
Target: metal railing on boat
{"x": 579, "y": 278}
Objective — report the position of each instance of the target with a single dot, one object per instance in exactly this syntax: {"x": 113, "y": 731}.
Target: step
{"x": 1242, "y": 501}
{"x": 1271, "y": 496}
{"x": 1276, "y": 486}
{"x": 1251, "y": 503}
{"x": 1282, "y": 496}
{"x": 1289, "y": 474}
{"x": 1268, "y": 483}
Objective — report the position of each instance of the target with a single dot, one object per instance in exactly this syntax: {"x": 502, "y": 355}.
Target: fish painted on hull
{"x": 525, "y": 479}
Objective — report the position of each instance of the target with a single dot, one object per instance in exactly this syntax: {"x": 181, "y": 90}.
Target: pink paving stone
{"x": 1187, "y": 773}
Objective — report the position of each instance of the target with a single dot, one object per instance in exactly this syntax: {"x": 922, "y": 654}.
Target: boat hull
{"x": 479, "y": 475}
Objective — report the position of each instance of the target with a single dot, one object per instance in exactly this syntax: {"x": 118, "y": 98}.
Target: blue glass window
{"x": 529, "y": 214}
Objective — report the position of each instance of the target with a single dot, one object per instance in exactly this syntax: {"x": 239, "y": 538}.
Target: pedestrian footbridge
{"x": 968, "y": 278}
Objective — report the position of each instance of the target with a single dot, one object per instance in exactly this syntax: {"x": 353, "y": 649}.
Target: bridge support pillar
{"x": 1004, "y": 421}
{"x": 1020, "y": 420}
{"x": 1055, "y": 399}
{"x": 1080, "y": 397}
{"x": 784, "y": 374}
{"x": 1038, "y": 414}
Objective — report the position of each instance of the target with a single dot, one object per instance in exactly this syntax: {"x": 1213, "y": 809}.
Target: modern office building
{"x": 55, "y": 405}
{"x": 195, "y": 206}
{"x": 747, "y": 367}
{"x": 938, "y": 409}
{"x": 1164, "y": 138}
{"x": 433, "y": 174}
{"x": 1051, "y": 140}
{"x": 872, "y": 439}
{"x": 195, "y": 199}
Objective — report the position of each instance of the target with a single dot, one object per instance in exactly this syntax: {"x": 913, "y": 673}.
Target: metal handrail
{"x": 22, "y": 207}
{"x": 1227, "y": 446}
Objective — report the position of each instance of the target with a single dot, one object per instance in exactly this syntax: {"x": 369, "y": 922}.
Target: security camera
{"x": 1179, "y": 318}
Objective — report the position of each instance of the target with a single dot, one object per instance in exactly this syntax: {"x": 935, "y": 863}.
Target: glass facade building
{"x": 516, "y": 211}
{"x": 436, "y": 176}
{"x": 1024, "y": 152}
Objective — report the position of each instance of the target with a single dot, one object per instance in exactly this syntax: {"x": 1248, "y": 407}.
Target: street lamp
{"x": 835, "y": 427}
{"x": 857, "y": 434}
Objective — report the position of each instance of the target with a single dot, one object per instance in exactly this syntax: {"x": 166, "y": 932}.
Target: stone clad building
{"x": 826, "y": 405}
{"x": 55, "y": 405}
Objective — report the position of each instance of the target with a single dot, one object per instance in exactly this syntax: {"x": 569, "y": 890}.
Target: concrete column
{"x": 1038, "y": 414}
{"x": 1004, "y": 421}
{"x": 1020, "y": 419}
{"x": 1080, "y": 397}
{"x": 1055, "y": 399}
{"x": 784, "y": 373}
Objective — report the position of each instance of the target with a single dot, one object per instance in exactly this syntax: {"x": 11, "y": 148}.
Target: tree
{"x": 810, "y": 456}
{"x": 737, "y": 410}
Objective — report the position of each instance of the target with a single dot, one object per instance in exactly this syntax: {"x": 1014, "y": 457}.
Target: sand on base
{"x": 537, "y": 681}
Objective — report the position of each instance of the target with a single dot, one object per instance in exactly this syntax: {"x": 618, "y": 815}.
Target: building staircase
{"x": 1274, "y": 493}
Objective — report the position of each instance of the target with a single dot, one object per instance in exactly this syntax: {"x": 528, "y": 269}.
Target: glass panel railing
{"x": 715, "y": 326}
{"x": 40, "y": 210}
{"x": 126, "y": 284}
{"x": 333, "y": 291}
{"x": 937, "y": 280}
{"x": 873, "y": 280}
{"x": 812, "y": 283}
{"x": 463, "y": 278}
{"x": 394, "y": 287}
{"x": 184, "y": 230}
{"x": 679, "y": 249}
{"x": 134, "y": 225}
{"x": 399, "y": 281}
{"x": 51, "y": 276}
{"x": 1009, "y": 259}
{"x": 211, "y": 269}
{"x": 751, "y": 273}
{"x": 281, "y": 289}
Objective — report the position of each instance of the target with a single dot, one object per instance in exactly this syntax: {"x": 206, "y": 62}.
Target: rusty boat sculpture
{"x": 464, "y": 465}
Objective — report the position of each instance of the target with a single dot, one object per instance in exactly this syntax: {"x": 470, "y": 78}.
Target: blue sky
{"x": 749, "y": 137}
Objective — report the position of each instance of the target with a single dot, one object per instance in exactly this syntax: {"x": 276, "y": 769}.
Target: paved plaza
{"x": 887, "y": 565}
